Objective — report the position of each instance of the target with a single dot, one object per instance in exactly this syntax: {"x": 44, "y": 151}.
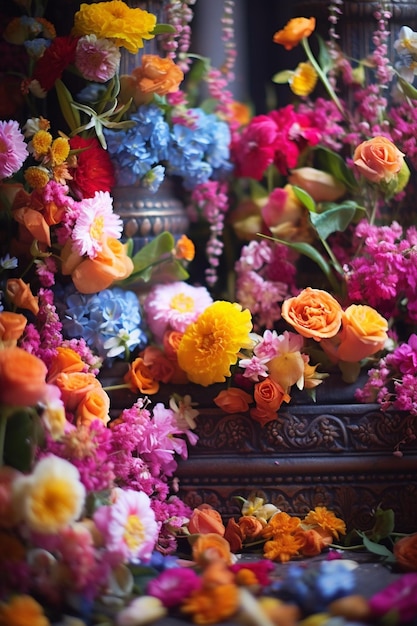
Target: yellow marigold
{"x": 281, "y": 523}
{"x": 327, "y": 520}
{"x": 126, "y": 26}
{"x": 211, "y": 605}
{"x": 22, "y": 610}
{"x": 294, "y": 31}
{"x": 303, "y": 80}
{"x": 284, "y": 547}
{"x": 36, "y": 177}
{"x": 41, "y": 142}
{"x": 60, "y": 149}
{"x": 51, "y": 497}
{"x": 210, "y": 345}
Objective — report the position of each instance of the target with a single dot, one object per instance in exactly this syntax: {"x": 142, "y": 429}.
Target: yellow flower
{"x": 327, "y": 520}
{"x": 41, "y": 143}
{"x": 37, "y": 177}
{"x": 59, "y": 150}
{"x": 210, "y": 345}
{"x": 51, "y": 497}
{"x": 125, "y": 26}
{"x": 22, "y": 610}
{"x": 303, "y": 80}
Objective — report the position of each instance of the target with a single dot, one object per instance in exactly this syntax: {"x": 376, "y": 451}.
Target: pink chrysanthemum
{"x": 128, "y": 526}
{"x": 95, "y": 222}
{"x": 174, "y": 306}
{"x": 13, "y": 149}
{"x": 97, "y": 59}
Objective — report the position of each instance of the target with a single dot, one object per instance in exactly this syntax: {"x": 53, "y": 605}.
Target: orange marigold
{"x": 20, "y": 610}
{"x": 327, "y": 520}
{"x": 281, "y": 523}
{"x": 210, "y": 605}
{"x": 283, "y": 547}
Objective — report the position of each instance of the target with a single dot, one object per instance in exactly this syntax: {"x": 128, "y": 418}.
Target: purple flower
{"x": 13, "y": 149}
{"x": 399, "y": 597}
{"x": 173, "y": 585}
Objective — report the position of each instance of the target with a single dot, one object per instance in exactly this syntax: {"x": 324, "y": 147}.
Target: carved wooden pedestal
{"x": 334, "y": 453}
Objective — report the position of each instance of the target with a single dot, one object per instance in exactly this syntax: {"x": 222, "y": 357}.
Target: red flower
{"x": 254, "y": 151}
{"x": 94, "y": 170}
{"x": 53, "y": 62}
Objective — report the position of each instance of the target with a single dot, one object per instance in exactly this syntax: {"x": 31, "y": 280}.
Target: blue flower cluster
{"x": 110, "y": 321}
{"x": 196, "y": 154}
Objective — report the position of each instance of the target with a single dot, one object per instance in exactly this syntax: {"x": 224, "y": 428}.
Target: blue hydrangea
{"x": 110, "y": 321}
{"x": 314, "y": 588}
{"x": 195, "y": 154}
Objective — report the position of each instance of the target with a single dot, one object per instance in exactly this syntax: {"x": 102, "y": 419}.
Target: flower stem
{"x": 115, "y": 387}
{"x": 322, "y": 75}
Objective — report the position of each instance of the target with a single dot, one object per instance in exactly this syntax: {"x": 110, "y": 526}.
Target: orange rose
{"x": 12, "y": 326}
{"x": 315, "y": 540}
{"x": 262, "y": 416}
{"x": 233, "y": 400}
{"x": 74, "y": 386}
{"x": 156, "y": 75}
{"x": 65, "y": 360}
{"x": 314, "y": 313}
{"x": 19, "y": 293}
{"x": 204, "y": 519}
{"x": 139, "y": 378}
{"x": 211, "y": 547}
{"x": 170, "y": 341}
{"x": 35, "y": 223}
{"x": 378, "y": 159}
{"x": 160, "y": 367}
{"x": 269, "y": 395}
{"x": 405, "y": 552}
{"x": 251, "y": 526}
{"x": 95, "y": 405}
{"x": 111, "y": 263}
{"x": 233, "y": 534}
{"x": 364, "y": 332}
{"x": 294, "y": 31}
{"x": 22, "y": 377}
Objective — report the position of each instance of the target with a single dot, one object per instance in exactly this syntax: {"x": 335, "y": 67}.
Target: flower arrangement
{"x": 90, "y": 518}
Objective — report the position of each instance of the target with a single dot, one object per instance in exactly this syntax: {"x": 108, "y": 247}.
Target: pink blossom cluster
{"x": 384, "y": 272}
{"x": 259, "y": 281}
{"x": 393, "y": 382}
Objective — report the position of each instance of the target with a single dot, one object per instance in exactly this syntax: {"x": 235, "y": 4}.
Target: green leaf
{"x": 407, "y": 88}
{"x": 336, "y": 219}
{"x": 282, "y": 77}
{"x": 384, "y": 524}
{"x": 334, "y": 164}
{"x": 71, "y": 115}
{"x": 257, "y": 191}
{"x": 325, "y": 60}
{"x": 305, "y": 198}
{"x": 163, "y": 28}
{"x": 23, "y": 434}
{"x": 376, "y": 548}
{"x": 153, "y": 251}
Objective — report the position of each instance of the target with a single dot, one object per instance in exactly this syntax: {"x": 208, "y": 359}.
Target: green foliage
{"x": 24, "y": 433}
{"x": 155, "y": 256}
{"x": 334, "y": 164}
